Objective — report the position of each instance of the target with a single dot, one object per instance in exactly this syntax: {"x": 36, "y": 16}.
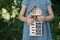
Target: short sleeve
{"x": 24, "y": 3}
{"x": 48, "y": 3}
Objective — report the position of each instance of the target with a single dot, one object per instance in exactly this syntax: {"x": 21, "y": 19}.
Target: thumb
{"x": 29, "y": 16}
{"x": 41, "y": 14}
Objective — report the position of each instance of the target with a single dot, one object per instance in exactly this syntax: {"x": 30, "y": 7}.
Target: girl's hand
{"x": 29, "y": 20}
{"x": 41, "y": 18}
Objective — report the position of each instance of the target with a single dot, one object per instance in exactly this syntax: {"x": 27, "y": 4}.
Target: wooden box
{"x": 36, "y": 27}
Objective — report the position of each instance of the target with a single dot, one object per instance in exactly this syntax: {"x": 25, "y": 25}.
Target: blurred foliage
{"x": 11, "y": 28}
{"x": 10, "y": 25}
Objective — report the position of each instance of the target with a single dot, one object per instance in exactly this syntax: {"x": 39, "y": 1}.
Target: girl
{"x": 45, "y": 6}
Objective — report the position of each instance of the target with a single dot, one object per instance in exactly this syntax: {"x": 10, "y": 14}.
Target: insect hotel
{"x": 36, "y": 27}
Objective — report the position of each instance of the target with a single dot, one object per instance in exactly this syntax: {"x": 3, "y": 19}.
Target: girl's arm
{"x": 21, "y": 15}
{"x": 27, "y": 19}
{"x": 51, "y": 15}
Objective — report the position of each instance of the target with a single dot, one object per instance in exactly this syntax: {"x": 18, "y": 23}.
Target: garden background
{"x": 11, "y": 28}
